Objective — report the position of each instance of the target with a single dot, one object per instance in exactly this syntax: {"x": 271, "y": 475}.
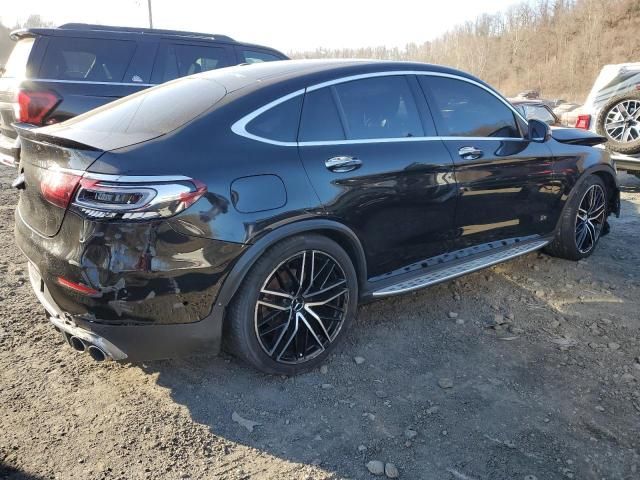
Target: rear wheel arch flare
{"x": 339, "y": 233}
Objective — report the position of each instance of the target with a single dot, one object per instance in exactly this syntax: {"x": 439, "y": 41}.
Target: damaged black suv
{"x": 256, "y": 206}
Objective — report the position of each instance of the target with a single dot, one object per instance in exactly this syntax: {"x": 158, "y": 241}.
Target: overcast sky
{"x": 288, "y": 25}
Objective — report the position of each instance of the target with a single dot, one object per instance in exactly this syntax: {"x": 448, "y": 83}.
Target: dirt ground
{"x": 529, "y": 370}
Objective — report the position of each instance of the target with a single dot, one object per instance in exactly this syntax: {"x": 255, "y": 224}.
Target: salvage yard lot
{"x": 530, "y": 369}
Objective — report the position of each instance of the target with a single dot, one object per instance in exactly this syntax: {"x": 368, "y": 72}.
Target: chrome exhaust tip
{"x": 77, "y": 344}
{"x": 97, "y": 353}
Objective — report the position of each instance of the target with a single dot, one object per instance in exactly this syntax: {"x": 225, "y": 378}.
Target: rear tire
{"x": 294, "y": 306}
{"x": 583, "y": 221}
{"x": 612, "y": 114}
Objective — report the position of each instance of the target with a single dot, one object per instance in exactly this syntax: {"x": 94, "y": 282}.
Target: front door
{"x": 506, "y": 184}
{"x": 368, "y": 146}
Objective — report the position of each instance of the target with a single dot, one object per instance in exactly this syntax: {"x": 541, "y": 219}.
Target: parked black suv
{"x": 264, "y": 202}
{"x": 56, "y": 73}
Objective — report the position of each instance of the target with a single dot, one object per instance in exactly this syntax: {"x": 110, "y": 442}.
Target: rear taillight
{"x": 121, "y": 199}
{"x": 584, "y": 121}
{"x": 57, "y": 187}
{"x": 33, "y": 107}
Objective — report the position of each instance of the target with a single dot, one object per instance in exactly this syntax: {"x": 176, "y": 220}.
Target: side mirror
{"x": 538, "y": 131}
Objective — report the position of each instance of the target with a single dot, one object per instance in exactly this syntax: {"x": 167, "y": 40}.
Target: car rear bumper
{"x": 629, "y": 163}
{"x": 133, "y": 342}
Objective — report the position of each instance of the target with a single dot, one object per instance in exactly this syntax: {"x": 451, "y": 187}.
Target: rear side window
{"x": 381, "y": 107}
{"x": 16, "y": 66}
{"x": 279, "y": 123}
{"x": 462, "y": 109}
{"x": 538, "y": 112}
{"x": 255, "y": 56}
{"x": 178, "y": 60}
{"x": 320, "y": 119}
{"x": 87, "y": 59}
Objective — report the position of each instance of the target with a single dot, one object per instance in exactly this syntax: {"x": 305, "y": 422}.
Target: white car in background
{"x": 612, "y": 109}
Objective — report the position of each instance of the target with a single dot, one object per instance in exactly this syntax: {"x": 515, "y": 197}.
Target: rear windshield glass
{"x": 16, "y": 66}
{"x": 142, "y": 116}
{"x": 87, "y": 59}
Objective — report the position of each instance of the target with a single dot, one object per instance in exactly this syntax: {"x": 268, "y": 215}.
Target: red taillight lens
{"x": 57, "y": 187}
{"x": 583, "y": 122}
{"x": 33, "y": 107}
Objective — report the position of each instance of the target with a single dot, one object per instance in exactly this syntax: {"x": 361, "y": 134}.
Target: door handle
{"x": 470, "y": 153}
{"x": 343, "y": 164}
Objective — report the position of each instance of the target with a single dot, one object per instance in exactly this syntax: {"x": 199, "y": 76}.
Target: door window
{"x": 254, "y": 56}
{"x": 87, "y": 59}
{"x": 379, "y": 107}
{"x": 462, "y": 109}
{"x": 178, "y": 60}
{"x": 320, "y": 119}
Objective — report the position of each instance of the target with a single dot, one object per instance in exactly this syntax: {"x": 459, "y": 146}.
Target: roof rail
{"x": 157, "y": 31}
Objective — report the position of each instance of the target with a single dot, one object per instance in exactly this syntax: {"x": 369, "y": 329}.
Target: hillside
{"x": 554, "y": 47}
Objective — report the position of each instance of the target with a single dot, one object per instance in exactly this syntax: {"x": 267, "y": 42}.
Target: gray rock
{"x": 358, "y": 360}
{"x": 324, "y": 369}
{"x": 453, "y": 315}
{"x": 362, "y": 448}
{"x": 445, "y": 383}
{"x": 409, "y": 433}
{"x": 327, "y": 386}
{"x": 391, "y": 471}
{"x": 613, "y": 345}
{"x": 381, "y": 394}
{"x": 375, "y": 467}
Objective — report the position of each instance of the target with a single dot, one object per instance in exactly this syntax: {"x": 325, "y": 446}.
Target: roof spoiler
{"x": 21, "y": 33}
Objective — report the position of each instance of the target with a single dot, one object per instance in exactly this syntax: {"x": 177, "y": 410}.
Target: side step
{"x": 461, "y": 268}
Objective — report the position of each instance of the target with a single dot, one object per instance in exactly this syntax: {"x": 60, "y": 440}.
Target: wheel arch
{"x": 336, "y": 231}
{"x": 608, "y": 175}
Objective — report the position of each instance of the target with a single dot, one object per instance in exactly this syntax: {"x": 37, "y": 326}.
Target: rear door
{"x": 506, "y": 183}
{"x": 368, "y": 147}
{"x": 177, "y": 59}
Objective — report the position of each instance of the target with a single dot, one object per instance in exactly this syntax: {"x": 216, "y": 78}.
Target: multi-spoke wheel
{"x": 590, "y": 218}
{"x": 301, "y": 307}
{"x": 294, "y": 305}
{"x": 619, "y": 122}
{"x": 583, "y": 221}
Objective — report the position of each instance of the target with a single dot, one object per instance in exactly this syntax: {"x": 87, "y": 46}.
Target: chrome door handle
{"x": 470, "y": 153}
{"x": 343, "y": 164}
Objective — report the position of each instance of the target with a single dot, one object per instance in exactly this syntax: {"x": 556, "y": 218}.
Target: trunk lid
{"x": 50, "y": 167}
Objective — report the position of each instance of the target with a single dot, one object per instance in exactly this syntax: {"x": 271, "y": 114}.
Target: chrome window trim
{"x": 130, "y": 84}
{"x": 108, "y": 177}
{"x": 240, "y": 127}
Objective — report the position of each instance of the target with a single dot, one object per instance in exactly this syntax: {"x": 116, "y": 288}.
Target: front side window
{"x": 87, "y": 59}
{"x": 279, "y": 123}
{"x": 255, "y": 56}
{"x": 462, "y": 109}
{"x": 379, "y": 107}
{"x": 178, "y": 60}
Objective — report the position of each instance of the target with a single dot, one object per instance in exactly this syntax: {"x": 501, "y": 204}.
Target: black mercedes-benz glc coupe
{"x": 256, "y": 206}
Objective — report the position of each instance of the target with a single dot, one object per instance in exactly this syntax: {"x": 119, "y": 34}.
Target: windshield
{"x": 16, "y": 66}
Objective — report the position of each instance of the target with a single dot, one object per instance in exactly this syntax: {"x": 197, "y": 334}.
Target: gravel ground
{"x": 529, "y": 370}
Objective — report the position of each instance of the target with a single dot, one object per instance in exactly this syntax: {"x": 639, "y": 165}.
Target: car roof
{"x": 316, "y": 71}
{"x": 526, "y": 101}
{"x": 106, "y": 31}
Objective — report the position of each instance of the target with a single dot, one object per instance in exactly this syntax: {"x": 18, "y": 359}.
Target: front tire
{"x": 583, "y": 221}
{"x": 294, "y": 306}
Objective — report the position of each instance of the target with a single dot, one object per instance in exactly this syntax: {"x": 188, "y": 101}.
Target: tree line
{"x": 556, "y": 47}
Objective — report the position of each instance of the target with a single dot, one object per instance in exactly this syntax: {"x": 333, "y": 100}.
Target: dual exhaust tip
{"x": 81, "y": 345}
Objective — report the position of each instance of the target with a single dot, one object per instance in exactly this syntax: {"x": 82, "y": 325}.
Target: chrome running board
{"x": 460, "y": 268}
